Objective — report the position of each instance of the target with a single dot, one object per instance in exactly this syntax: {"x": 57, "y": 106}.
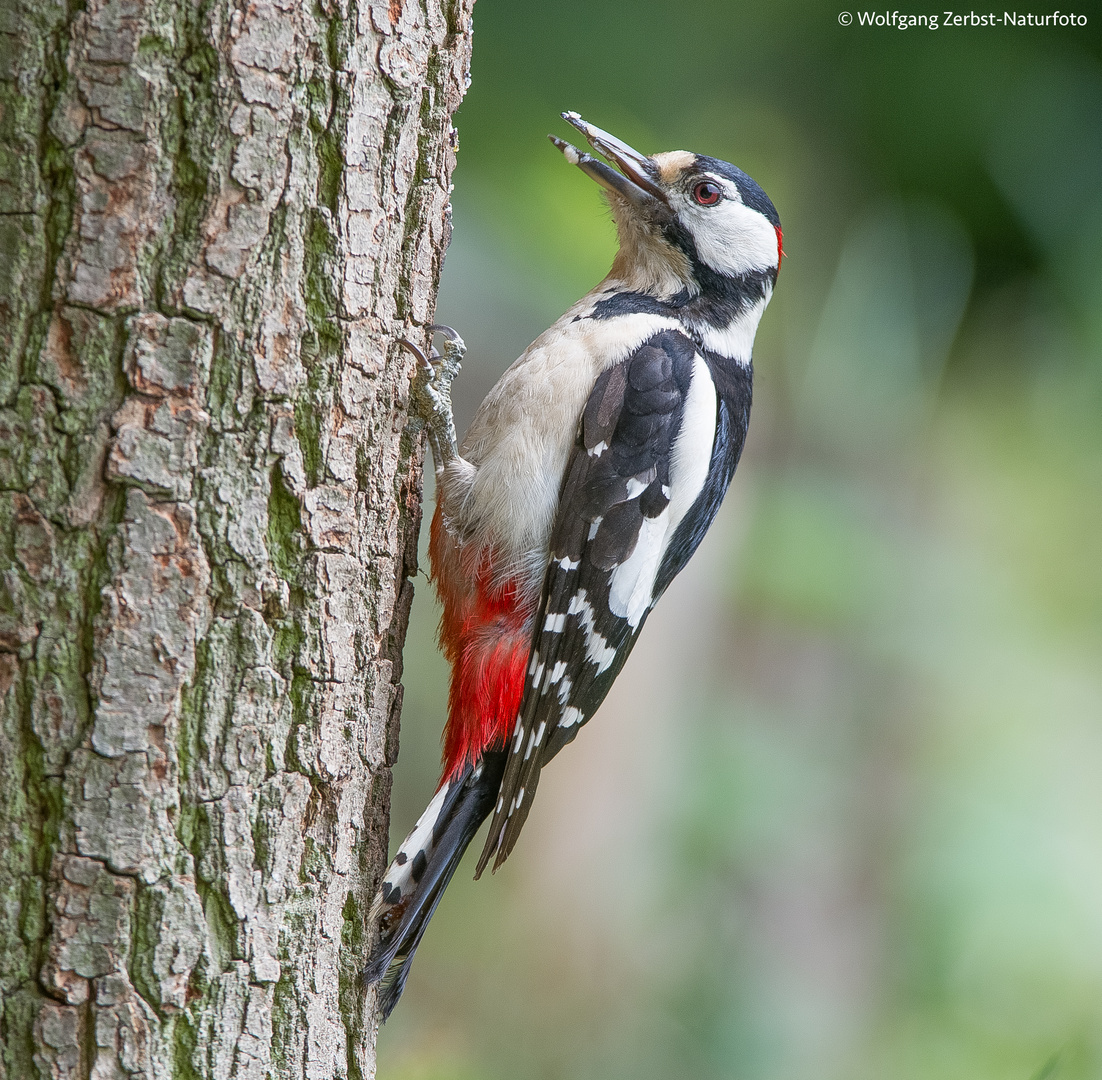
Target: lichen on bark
{"x": 216, "y": 220}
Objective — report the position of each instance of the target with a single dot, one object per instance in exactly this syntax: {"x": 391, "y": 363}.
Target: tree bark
{"x": 215, "y": 219}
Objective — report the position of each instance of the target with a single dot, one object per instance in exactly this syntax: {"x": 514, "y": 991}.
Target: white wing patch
{"x": 631, "y": 585}
{"x": 692, "y": 450}
{"x": 629, "y": 589}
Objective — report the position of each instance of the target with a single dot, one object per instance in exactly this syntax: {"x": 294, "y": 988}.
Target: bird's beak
{"x": 637, "y": 176}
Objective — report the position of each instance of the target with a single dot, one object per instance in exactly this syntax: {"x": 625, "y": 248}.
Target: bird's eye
{"x": 706, "y": 193}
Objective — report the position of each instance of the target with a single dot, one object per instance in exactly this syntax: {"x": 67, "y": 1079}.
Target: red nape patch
{"x": 780, "y": 247}
{"x": 488, "y": 647}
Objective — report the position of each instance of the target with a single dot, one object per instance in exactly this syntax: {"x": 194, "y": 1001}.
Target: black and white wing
{"x": 655, "y": 452}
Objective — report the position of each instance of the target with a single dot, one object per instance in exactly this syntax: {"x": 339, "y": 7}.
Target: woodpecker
{"x": 588, "y": 477}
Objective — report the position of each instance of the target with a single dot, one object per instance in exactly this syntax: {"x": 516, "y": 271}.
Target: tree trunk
{"x": 216, "y": 219}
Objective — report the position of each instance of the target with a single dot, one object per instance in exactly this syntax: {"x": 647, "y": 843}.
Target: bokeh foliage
{"x": 872, "y": 844}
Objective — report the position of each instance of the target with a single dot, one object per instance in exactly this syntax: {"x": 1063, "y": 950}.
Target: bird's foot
{"x": 431, "y": 392}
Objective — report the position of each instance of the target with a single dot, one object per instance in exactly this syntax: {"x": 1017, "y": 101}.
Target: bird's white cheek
{"x": 735, "y": 240}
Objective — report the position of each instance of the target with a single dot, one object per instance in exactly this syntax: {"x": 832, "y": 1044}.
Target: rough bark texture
{"x": 215, "y": 220}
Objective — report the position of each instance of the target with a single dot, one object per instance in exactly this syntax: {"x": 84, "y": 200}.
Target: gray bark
{"x": 215, "y": 220}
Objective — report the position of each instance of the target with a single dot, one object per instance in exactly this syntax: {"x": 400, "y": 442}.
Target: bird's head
{"x": 685, "y": 221}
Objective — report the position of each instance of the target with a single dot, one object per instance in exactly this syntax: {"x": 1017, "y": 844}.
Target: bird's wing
{"x": 653, "y": 456}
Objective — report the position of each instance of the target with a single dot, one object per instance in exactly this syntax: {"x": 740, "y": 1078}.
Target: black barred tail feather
{"x": 416, "y": 879}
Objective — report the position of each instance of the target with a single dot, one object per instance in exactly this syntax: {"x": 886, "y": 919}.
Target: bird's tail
{"x": 420, "y": 872}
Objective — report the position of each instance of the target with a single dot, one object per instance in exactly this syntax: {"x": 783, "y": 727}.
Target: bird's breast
{"x": 521, "y": 437}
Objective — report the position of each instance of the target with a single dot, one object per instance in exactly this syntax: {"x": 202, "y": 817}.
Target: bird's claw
{"x": 431, "y": 392}
{"x": 454, "y": 340}
{"x": 437, "y": 371}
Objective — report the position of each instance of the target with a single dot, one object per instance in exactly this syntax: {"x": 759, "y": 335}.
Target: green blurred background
{"x": 841, "y": 817}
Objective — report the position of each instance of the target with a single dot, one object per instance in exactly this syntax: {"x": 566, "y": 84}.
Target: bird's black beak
{"x": 637, "y": 179}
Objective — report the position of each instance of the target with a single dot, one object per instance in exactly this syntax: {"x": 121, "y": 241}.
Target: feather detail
{"x": 485, "y": 633}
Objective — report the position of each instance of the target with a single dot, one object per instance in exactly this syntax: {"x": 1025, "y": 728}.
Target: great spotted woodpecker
{"x": 588, "y": 477}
